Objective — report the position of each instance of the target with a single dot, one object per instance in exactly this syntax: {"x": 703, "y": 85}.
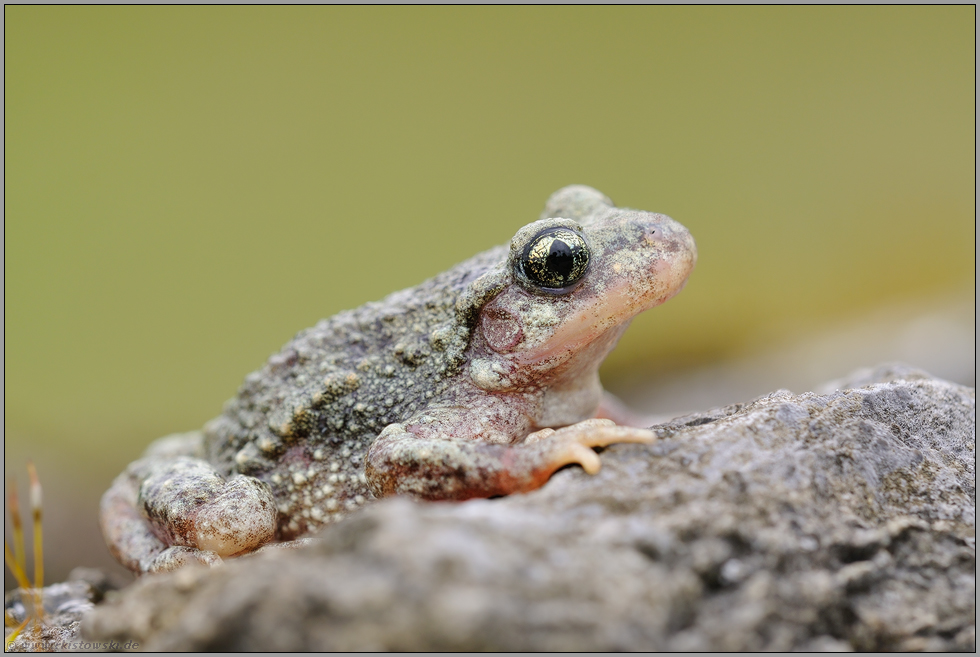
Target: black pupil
{"x": 560, "y": 260}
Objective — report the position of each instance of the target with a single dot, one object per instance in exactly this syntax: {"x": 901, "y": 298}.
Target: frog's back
{"x": 334, "y": 386}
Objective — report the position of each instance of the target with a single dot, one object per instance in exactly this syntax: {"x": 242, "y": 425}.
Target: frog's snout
{"x": 682, "y": 241}
{"x": 671, "y": 238}
{"x": 668, "y": 255}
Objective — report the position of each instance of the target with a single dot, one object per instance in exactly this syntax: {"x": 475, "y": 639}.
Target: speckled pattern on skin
{"x": 448, "y": 390}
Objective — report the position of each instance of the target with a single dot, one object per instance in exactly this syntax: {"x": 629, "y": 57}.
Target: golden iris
{"x": 555, "y": 258}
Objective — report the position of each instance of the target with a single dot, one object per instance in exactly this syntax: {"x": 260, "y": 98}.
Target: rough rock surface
{"x": 813, "y": 522}
{"x": 65, "y": 604}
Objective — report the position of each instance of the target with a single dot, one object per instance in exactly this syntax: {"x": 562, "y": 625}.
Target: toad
{"x": 481, "y": 381}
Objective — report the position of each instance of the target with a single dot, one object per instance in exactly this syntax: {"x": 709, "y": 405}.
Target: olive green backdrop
{"x": 185, "y": 188}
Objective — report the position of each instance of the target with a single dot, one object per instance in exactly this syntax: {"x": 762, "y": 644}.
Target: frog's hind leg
{"x": 129, "y": 536}
{"x": 439, "y": 469}
{"x": 169, "y": 509}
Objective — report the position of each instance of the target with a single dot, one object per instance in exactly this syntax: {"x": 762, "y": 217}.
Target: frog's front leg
{"x": 447, "y": 468}
{"x": 167, "y": 510}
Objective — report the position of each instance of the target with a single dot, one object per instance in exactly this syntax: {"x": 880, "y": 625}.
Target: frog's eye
{"x": 555, "y": 259}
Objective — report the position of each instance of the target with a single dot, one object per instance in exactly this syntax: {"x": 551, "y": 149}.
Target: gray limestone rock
{"x": 838, "y": 521}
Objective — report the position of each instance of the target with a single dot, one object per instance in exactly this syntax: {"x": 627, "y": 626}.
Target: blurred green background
{"x": 185, "y": 188}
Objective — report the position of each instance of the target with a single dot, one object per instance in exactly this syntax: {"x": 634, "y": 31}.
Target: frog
{"x": 480, "y": 382}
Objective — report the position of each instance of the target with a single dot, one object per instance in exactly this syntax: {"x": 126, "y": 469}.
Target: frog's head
{"x": 571, "y": 283}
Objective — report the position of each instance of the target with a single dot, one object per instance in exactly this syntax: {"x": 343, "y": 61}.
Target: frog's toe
{"x": 574, "y": 443}
{"x": 241, "y": 518}
{"x": 602, "y": 433}
{"x": 574, "y": 452}
{"x": 178, "y": 556}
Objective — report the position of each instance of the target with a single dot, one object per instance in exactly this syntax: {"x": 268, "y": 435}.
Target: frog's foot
{"x": 438, "y": 469}
{"x": 163, "y": 513}
{"x": 188, "y": 503}
{"x": 573, "y": 443}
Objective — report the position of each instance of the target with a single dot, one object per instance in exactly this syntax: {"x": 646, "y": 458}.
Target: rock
{"x": 867, "y": 376}
{"x": 64, "y": 606}
{"x": 843, "y": 521}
